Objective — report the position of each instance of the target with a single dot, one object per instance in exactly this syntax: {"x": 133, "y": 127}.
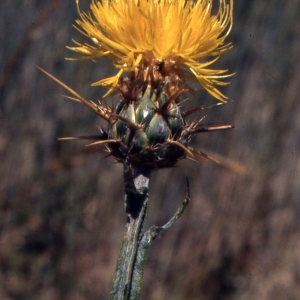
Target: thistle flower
{"x": 158, "y": 46}
{"x": 175, "y": 36}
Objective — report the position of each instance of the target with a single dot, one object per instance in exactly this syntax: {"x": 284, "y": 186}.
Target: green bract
{"x": 148, "y": 131}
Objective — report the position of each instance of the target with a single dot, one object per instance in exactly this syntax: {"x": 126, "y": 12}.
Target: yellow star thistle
{"x": 162, "y": 44}
{"x": 182, "y": 34}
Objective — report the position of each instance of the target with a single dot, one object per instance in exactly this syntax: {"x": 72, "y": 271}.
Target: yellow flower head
{"x": 184, "y": 35}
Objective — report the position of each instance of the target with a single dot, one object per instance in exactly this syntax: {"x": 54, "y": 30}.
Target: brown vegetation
{"x": 61, "y": 207}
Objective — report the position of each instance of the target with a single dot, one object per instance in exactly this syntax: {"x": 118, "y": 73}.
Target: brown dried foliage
{"x": 61, "y": 207}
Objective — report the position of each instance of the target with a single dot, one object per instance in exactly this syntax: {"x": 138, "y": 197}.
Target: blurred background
{"x": 61, "y": 210}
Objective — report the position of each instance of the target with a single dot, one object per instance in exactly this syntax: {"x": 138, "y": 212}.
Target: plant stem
{"x": 136, "y": 199}
{"x": 135, "y": 246}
